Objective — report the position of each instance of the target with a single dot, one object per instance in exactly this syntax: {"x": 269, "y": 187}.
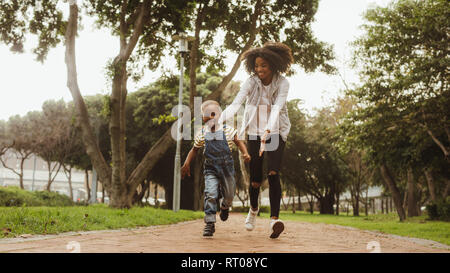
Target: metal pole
{"x": 183, "y": 49}
{"x": 177, "y": 174}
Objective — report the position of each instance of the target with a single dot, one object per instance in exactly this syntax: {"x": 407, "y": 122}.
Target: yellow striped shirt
{"x": 199, "y": 140}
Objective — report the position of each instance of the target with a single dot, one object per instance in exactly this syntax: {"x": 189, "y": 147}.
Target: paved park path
{"x": 230, "y": 236}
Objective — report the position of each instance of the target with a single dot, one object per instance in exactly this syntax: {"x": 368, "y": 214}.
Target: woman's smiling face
{"x": 262, "y": 69}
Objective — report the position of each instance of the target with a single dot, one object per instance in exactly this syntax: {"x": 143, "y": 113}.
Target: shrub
{"x": 432, "y": 211}
{"x": 53, "y": 198}
{"x": 439, "y": 210}
{"x": 14, "y": 196}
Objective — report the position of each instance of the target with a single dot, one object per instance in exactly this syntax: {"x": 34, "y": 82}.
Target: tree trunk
{"x": 70, "y": 183}
{"x": 412, "y": 203}
{"x": 356, "y": 205}
{"x": 140, "y": 192}
{"x": 49, "y": 182}
{"x": 156, "y": 196}
{"x": 82, "y": 116}
{"x": 193, "y": 53}
{"x": 430, "y": 183}
{"x": 169, "y": 197}
{"x": 242, "y": 199}
{"x": 21, "y": 173}
{"x": 337, "y": 204}
{"x": 68, "y": 173}
{"x": 51, "y": 179}
{"x": 389, "y": 180}
{"x": 116, "y": 130}
{"x": 382, "y": 205}
{"x": 147, "y": 192}
{"x": 88, "y": 188}
{"x": 282, "y": 202}
{"x": 103, "y": 194}
{"x": 326, "y": 204}
{"x": 311, "y": 203}
{"x": 300, "y": 207}
{"x": 366, "y": 205}
{"x": 293, "y": 204}
{"x": 440, "y": 144}
{"x": 446, "y": 190}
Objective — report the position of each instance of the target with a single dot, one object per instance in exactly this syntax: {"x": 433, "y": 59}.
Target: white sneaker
{"x": 251, "y": 219}
{"x": 276, "y": 227}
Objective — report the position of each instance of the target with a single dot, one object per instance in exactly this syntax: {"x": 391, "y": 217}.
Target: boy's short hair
{"x": 210, "y": 102}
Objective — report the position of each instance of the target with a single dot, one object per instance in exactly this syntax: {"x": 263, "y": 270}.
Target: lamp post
{"x": 183, "y": 39}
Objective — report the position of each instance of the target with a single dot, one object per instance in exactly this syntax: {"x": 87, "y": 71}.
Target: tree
{"x": 20, "y": 142}
{"x": 56, "y": 136}
{"x": 417, "y": 83}
{"x": 403, "y": 58}
{"x": 357, "y": 168}
{"x": 5, "y": 140}
{"x": 310, "y": 162}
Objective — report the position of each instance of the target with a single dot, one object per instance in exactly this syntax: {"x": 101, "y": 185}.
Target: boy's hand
{"x": 246, "y": 157}
{"x": 185, "y": 169}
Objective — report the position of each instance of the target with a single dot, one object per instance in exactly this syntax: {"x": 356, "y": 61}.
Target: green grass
{"x": 415, "y": 227}
{"x": 54, "y": 220}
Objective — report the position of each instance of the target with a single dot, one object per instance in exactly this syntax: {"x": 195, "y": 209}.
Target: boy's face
{"x": 211, "y": 114}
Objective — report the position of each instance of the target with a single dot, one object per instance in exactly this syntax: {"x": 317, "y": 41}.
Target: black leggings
{"x": 256, "y": 173}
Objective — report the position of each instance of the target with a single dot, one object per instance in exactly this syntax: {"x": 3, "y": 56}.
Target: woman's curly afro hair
{"x": 278, "y": 55}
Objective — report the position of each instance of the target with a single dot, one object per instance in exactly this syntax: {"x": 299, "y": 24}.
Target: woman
{"x": 266, "y": 123}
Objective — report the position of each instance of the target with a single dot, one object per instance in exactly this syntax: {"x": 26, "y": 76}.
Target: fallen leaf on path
{"x": 25, "y": 235}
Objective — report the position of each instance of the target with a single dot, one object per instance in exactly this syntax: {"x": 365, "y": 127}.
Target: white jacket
{"x": 251, "y": 92}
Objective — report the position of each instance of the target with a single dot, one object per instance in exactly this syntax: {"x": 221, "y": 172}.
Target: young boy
{"x": 219, "y": 166}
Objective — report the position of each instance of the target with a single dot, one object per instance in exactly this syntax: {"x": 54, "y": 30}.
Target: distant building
{"x": 36, "y": 167}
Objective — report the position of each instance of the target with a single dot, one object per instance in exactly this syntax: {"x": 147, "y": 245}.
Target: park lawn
{"x": 415, "y": 227}
{"x": 15, "y": 221}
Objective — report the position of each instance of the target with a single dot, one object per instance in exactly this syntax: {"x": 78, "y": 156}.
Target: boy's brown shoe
{"x": 209, "y": 229}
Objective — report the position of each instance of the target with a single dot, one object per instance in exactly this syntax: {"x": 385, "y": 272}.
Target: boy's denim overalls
{"x": 219, "y": 173}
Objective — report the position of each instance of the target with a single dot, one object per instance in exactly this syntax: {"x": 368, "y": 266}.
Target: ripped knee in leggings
{"x": 256, "y": 185}
{"x": 272, "y": 173}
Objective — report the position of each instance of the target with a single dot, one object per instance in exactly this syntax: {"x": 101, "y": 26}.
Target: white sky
{"x": 25, "y": 83}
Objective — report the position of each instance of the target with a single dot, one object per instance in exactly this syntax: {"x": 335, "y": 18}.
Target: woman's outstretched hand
{"x": 263, "y": 142}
